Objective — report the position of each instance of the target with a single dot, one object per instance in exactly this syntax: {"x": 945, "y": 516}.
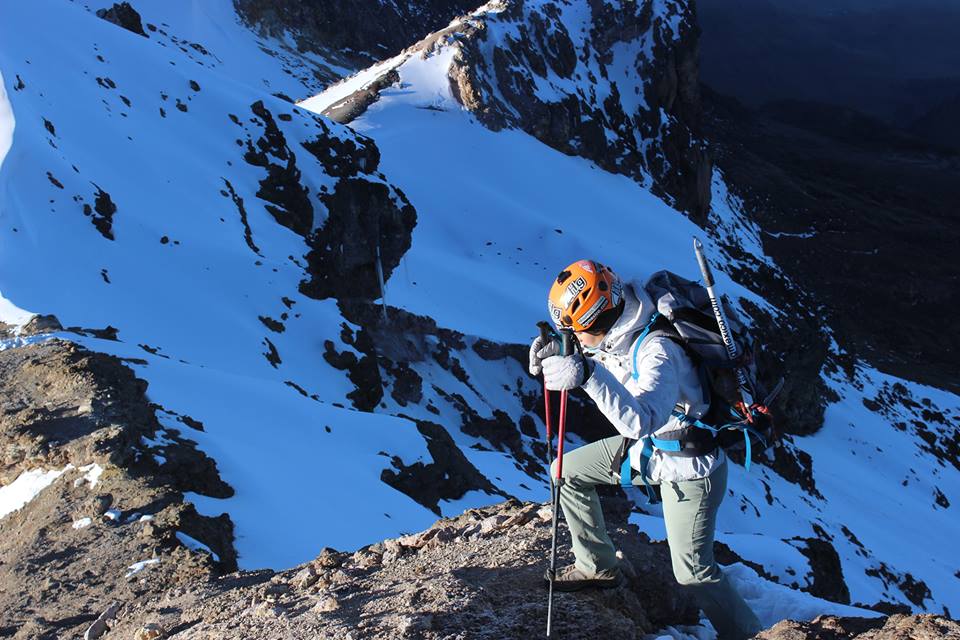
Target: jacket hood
{"x": 638, "y": 307}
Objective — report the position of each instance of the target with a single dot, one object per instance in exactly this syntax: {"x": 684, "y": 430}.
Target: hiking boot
{"x": 570, "y": 578}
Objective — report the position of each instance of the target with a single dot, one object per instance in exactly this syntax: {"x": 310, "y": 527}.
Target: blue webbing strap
{"x": 636, "y": 348}
{"x": 746, "y": 440}
{"x": 626, "y": 470}
{"x": 687, "y": 420}
{"x": 644, "y": 459}
{"x": 673, "y": 445}
{"x": 666, "y": 445}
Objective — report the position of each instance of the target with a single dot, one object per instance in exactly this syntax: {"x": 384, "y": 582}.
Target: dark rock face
{"x": 123, "y": 15}
{"x": 827, "y": 571}
{"x": 65, "y": 555}
{"x": 101, "y": 214}
{"x": 368, "y": 222}
{"x": 386, "y": 371}
{"x": 449, "y": 477}
{"x": 371, "y": 30}
{"x": 289, "y": 200}
{"x": 936, "y": 431}
{"x": 616, "y": 84}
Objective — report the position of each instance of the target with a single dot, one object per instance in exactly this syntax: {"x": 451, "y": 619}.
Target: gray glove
{"x": 539, "y": 350}
{"x": 563, "y": 373}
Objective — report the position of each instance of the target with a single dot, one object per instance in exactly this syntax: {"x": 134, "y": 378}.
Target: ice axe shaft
{"x": 733, "y": 352}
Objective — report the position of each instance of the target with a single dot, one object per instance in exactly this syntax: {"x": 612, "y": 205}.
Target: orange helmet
{"x": 581, "y": 293}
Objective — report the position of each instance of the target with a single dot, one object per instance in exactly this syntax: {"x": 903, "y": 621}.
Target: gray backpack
{"x": 685, "y": 316}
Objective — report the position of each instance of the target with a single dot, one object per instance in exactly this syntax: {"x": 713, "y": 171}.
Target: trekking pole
{"x": 566, "y": 347}
{"x": 547, "y": 333}
{"x": 733, "y": 352}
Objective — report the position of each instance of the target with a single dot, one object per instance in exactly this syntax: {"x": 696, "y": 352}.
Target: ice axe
{"x": 733, "y": 352}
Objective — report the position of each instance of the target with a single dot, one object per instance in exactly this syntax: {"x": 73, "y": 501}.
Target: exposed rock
{"x": 102, "y": 213}
{"x": 282, "y": 188}
{"x": 481, "y": 571}
{"x": 326, "y": 604}
{"x": 150, "y": 631}
{"x": 123, "y": 15}
{"x": 641, "y": 116}
{"x": 100, "y": 625}
{"x": 896, "y": 627}
{"x": 369, "y": 223}
{"x": 615, "y": 83}
{"x": 64, "y": 408}
{"x": 826, "y": 568}
{"x": 449, "y": 477}
{"x": 41, "y": 324}
{"x": 354, "y": 105}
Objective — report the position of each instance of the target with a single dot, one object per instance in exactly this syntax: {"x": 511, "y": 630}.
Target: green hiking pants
{"x": 690, "y": 514}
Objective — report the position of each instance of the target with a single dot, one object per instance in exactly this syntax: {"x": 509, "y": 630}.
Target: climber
{"x": 640, "y": 383}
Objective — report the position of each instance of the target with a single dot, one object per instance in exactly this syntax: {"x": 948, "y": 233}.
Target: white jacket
{"x": 642, "y": 406}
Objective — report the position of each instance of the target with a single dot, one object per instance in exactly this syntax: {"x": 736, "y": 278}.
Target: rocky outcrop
{"x": 613, "y": 82}
{"x": 896, "y": 627}
{"x": 112, "y": 525}
{"x": 123, "y": 15}
{"x": 354, "y": 224}
{"x": 479, "y": 575}
{"x": 369, "y": 228}
{"x": 391, "y": 351}
{"x": 448, "y": 477}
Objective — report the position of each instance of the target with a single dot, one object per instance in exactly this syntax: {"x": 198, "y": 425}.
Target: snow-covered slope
{"x": 214, "y": 258}
{"x": 210, "y": 34}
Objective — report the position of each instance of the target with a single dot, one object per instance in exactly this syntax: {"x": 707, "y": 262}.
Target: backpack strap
{"x": 739, "y": 424}
{"x": 658, "y": 325}
{"x": 622, "y": 461}
{"x": 686, "y": 442}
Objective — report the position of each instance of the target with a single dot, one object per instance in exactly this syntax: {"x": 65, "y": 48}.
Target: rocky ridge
{"x": 117, "y": 498}
{"x": 615, "y": 83}
{"x": 479, "y": 575}
{"x": 896, "y": 627}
